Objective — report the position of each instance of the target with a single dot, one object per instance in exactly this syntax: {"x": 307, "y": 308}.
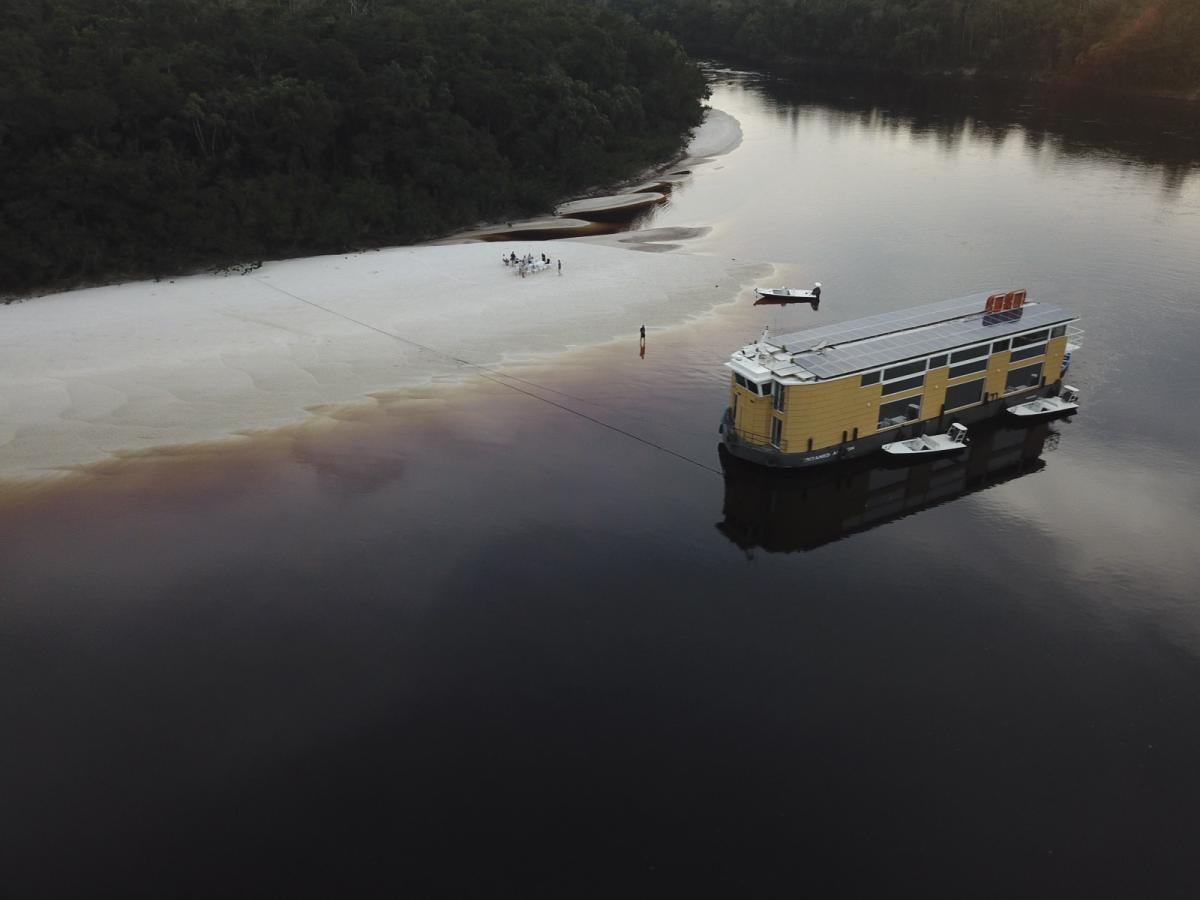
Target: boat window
{"x": 907, "y": 384}
{"x": 1028, "y": 352}
{"x": 776, "y": 431}
{"x": 966, "y": 394}
{"x": 870, "y": 378}
{"x": 906, "y": 369}
{"x": 1023, "y": 378}
{"x": 938, "y": 361}
{"x": 1058, "y": 331}
{"x": 1000, "y": 346}
{"x": 1025, "y": 340}
{"x": 967, "y": 368}
{"x": 740, "y": 380}
{"x": 899, "y": 411}
{"x": 779, "y": 389}
{"x": 969, "y": 353}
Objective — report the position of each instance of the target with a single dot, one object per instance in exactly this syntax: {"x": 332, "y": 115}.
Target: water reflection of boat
{"x": 785, "y": 510}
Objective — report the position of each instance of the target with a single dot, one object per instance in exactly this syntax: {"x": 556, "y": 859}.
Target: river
{"x": 467, "y": 644}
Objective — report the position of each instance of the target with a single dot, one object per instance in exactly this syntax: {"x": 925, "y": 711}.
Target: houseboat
{"x": 842, "y": 391}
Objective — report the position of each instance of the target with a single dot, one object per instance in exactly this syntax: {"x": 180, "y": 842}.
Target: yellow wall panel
{"x": 753, "y": 418}
{"x": 1056, "y": 349}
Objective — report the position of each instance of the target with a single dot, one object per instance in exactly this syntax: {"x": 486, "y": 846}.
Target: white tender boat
{"x": 930, "y": 444}
{"x": 1067, "y": 401}
{"x": 788, "y": 295}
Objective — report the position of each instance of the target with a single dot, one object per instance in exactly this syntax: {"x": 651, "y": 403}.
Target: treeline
{"x": 1129, "y": 44}
{"x": 152, "y": 136}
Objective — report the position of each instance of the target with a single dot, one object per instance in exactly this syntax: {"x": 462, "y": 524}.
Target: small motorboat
{"x": 784, "y": 295}
{"x": 1066, "y": 402}
{"x": 930, "y": 444}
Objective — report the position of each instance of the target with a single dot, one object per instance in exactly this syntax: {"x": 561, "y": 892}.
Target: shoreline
{"x": 790, "y": 67}
{"x": 105, "y": 372}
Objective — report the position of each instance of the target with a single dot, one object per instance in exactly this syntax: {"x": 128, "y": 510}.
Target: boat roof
{"x": 858, "y": 345}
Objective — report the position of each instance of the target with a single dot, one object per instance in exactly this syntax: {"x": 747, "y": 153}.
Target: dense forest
{"x": 1129, "y": 44}
{"x": 152, "y": 136}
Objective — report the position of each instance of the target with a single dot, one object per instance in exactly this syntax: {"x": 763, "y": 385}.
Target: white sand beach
{"x": 88, "y": 374}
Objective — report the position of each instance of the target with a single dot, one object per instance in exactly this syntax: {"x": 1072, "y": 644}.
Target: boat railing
{"x": 755, "y": 438}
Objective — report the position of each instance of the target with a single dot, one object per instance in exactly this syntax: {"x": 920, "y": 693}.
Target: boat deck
{"x": 832, "y": 351}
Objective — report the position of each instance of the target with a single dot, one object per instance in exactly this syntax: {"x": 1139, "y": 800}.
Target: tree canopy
{"x": 152, "y": 136}
{"x": 1132, "y": 44}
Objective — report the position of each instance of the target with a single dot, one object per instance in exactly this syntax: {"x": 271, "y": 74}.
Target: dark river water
{"x": 469, "y": 645}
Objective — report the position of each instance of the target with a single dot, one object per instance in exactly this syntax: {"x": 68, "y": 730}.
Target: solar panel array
{"x": 890, "y": 338}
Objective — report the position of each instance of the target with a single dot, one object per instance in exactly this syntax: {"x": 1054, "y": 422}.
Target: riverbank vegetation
{"x": 1142, "y": 45}
{"x": 154, "y": 136}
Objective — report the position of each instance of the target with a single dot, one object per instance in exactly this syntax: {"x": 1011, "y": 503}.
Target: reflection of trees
{"x": 1156, "y": 132}
{"x": 1123, "y": 43}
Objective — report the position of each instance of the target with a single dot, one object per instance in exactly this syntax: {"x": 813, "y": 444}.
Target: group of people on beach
{"x": 528, "y": 263}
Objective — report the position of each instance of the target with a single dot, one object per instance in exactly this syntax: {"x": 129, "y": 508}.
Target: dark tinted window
{"x": 973, "y": 352}
{"x": 899, "y": 411}
{"x": 964, "y": 394}
{"x": 1028, "y": 352}
{"x": 1024, "y": 377}
{"x": 999, "y": 345}
{"x": 1025, "y": 340}
{"x": 967, "y": 368}
{"x": 906, "y": 384}
{"x": 870, "y": 378}
{"x": 740, "y": 380}
{"x": 906, "y": 369}
{"x": 937, "y": 362}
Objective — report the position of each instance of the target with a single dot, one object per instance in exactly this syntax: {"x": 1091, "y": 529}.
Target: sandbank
{"x": 718, "y": 134}
{"x": 543, "y": 227}
{"x": 663, "y": 184}
{"x": 90, "y": 374}
{"x": 615, "y": 203}
{"x": 87, "y": 374}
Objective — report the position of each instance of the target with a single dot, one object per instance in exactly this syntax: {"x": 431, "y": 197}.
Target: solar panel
{"x": 890, "y": 338}
{"x": 913, "y": 317}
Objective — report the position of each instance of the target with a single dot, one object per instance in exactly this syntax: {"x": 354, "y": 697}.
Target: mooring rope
{"x": 493, "y": 376}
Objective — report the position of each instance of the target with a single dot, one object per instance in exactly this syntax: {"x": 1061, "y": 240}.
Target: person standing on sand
{"x": 560, "y": 267}
{"x": 642, "y": 333}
